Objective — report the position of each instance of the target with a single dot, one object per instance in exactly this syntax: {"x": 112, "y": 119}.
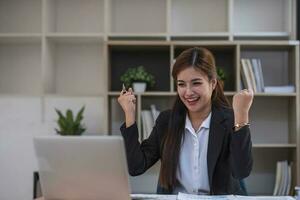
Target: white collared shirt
{"x": 192, "y": 171}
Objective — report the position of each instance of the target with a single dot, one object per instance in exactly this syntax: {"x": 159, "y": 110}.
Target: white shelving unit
{"x": 69, "y": 53}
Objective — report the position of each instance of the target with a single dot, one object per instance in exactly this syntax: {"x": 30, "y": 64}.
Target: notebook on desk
{"x": 85, "y": 167}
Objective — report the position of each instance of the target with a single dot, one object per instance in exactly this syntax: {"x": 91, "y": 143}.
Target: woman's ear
{"x": 214, "y": 83}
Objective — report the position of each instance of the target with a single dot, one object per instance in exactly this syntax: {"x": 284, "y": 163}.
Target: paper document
{"x": 153, "y": 197}
{"x": 184, "y": 196}
{"x": 264, "y": 197}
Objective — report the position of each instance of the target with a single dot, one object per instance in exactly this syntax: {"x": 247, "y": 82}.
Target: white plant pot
{"x": 139, "y": 87}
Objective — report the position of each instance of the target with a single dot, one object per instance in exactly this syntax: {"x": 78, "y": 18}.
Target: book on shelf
{"x": 252, "y": 75}
{"x": 154, "y": 112}
{"x": 256, "y": 66}
{"x": 148, "y": 120}
{"x": 280, "y": 89}
{"x": 245, "y": 74}
{"x": 147, "y": 123}
{"x": 283, "y": 178}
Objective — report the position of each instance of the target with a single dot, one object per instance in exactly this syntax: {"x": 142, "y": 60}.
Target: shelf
{"x": 283, "y": 146}
{"x": 278, "y": 61}
{"x": 262, "y": 35}
{"x": 262, "y": 178}
{"x": 275, "y": 94}
{"x": 74, "y": 67}
{"x": 155, "y": 59}
{"x": 190, "y": 16}
{"x": 261, "y": 16}
{"x": 138, "y": 16}
{"x": 20, "y": 68}
{"x": 20, "y": 16}
{"x": 75, "y": 16}
{"x": 200, "y": 36}
{"x": 76, "y": 37}
{"x": 18, "y": 38}
{"x": 272, "y": 120}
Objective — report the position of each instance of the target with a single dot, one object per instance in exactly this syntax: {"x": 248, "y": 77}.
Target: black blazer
{"x": 229, "y": 156}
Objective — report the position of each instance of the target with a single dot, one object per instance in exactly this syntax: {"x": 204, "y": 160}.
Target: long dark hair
{"x": 203, "y": 60}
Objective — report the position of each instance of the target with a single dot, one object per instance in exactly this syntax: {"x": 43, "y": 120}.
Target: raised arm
{"x": 241, "y": 145}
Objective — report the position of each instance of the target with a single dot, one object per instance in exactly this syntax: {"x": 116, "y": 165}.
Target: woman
{"x": 203, "y": 144}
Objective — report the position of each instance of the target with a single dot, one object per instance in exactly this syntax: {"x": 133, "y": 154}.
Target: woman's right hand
{"x": 127, "y": 101}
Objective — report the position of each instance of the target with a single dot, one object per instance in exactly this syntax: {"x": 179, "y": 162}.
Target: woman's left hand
{"x": 241, "y": 105}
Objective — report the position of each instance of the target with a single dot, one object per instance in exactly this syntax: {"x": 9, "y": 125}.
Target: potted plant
{"x": 221, "y": 75}
{"x": 138, "y": 78}
{"x": 68, "y": 125}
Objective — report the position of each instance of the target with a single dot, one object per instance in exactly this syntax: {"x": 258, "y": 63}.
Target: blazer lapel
{"x": 215, "y": 140}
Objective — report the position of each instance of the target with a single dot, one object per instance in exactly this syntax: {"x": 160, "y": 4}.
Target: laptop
{"x": 85, "y": 167}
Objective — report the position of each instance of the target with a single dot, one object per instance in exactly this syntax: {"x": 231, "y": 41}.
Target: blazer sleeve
{"x": 141, "y": 156}
{"x": 241, "y": 153}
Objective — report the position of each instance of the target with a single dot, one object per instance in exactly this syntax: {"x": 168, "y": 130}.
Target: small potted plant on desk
{"x": 138, "y": 78}
{"x": 68, "y": 125}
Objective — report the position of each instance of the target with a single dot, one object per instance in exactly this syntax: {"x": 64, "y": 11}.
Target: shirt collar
{"x": 205, "y": 123}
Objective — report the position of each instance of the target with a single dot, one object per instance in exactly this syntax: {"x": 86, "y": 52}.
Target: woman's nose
{"x": 189, "y": 90}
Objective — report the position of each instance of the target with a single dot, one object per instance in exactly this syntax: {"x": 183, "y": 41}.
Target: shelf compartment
{"x": 262, "y": 178}
{"x": 261, "y": 16}
{"x": 190, "y": 16}
{"x": 75, "y": 16}
{"x": 74, "y": 67}
{"x": 273, "y": 120}
{"x": 161, "y": 102}
{"x": 277, "y": 62}
{"x": 17, "y": 16}
{"x": 155, "y": 59}
{"x": 225, "y": 59}
{"x": 20, "y": 67}
{"x": 138, "y": 16}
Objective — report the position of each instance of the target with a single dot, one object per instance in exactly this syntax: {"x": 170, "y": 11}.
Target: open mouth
{"x": 192, "y": 101}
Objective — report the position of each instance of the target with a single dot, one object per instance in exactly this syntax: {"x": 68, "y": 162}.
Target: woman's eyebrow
{"x": 193, "y": 80}
{"x": 196, "y": 79}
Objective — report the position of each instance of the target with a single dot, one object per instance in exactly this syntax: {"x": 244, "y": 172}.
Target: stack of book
{"x": 283, "y": 178}
{"x": 148, "y": 120}
{"x": 252, "y": 75}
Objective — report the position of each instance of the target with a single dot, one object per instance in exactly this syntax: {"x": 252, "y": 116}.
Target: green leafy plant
{"x": 68, "y": 125}
{"x": 137, "y": 74}
{"x": 221, "y": 74}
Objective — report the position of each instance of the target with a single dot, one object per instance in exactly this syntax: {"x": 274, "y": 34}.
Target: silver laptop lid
{"x": 85, "y": 167}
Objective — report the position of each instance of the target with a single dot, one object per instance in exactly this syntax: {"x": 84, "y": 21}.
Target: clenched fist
{"x": 127, "y": 101}
{"x": 241, "y": 104}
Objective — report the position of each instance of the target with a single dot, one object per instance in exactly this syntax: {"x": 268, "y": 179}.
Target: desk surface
{"x": 174, "y": 197}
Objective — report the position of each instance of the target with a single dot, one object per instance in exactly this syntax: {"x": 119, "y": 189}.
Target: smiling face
{"x": 195, "y": 90}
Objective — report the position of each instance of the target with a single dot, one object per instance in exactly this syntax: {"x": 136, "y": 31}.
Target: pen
{"x": 123, "y": 89}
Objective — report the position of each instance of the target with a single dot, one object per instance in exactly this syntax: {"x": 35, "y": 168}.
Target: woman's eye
{"x": 180, "y": 84}
{"x": 197, "y": 83}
